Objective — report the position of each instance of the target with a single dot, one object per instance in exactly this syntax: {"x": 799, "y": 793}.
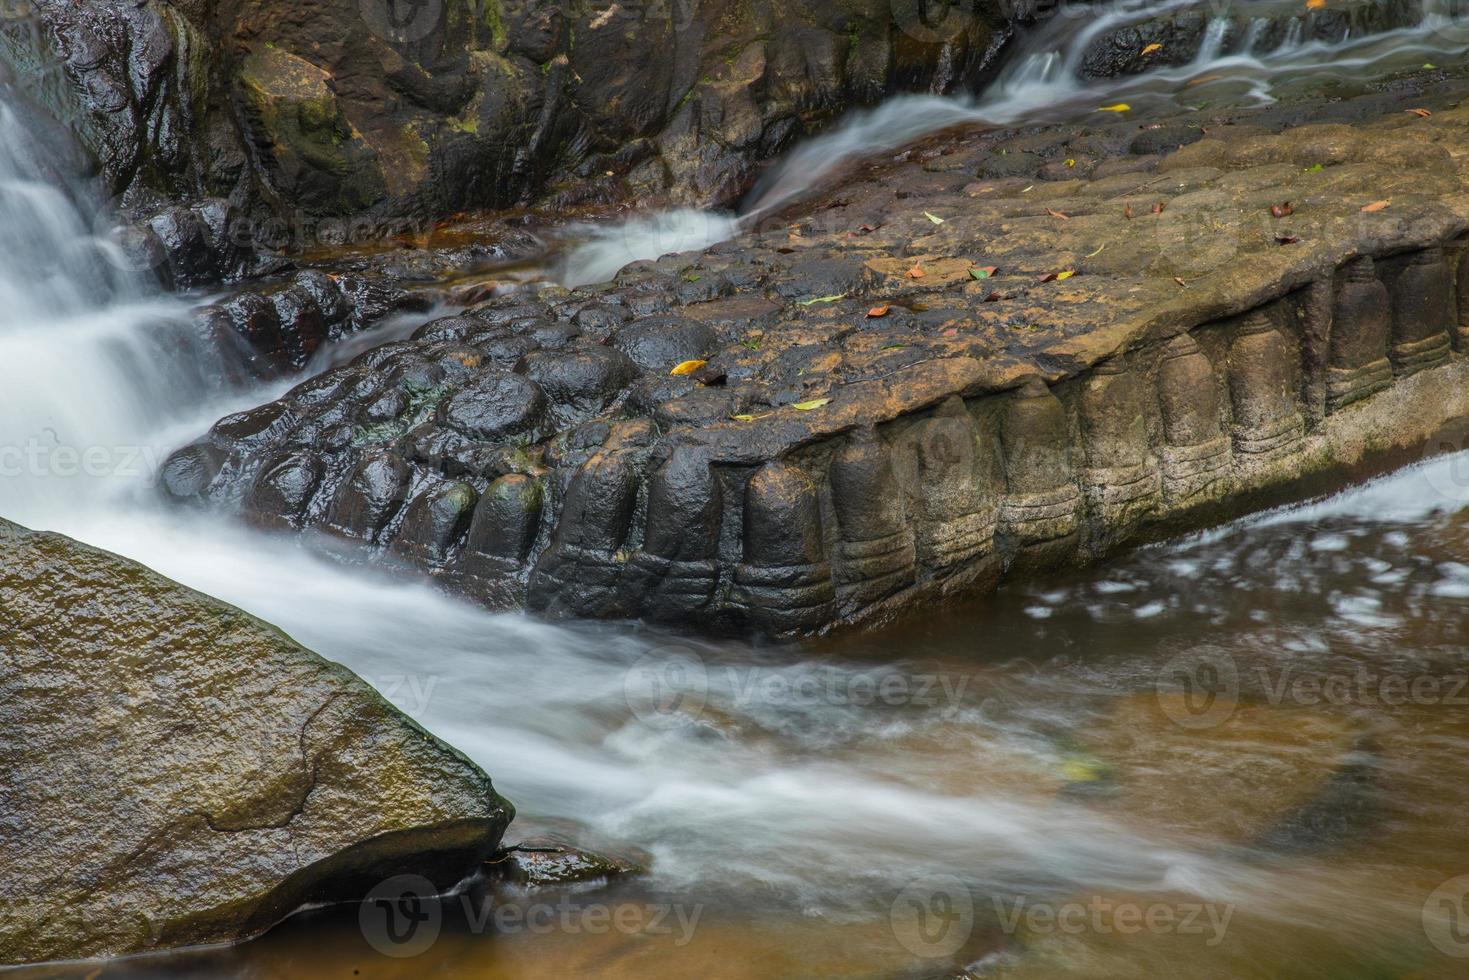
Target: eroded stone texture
{"x": 875, "y": 553}
{"x": 1358, "y": 364}
{"x": 1423, "y": 312}
{"x": 1195, "y": 454}
{"x": 784, "y": 584}
{"x": 1263, "y": 386}
{"x": 832, "y": 463}
{"x": 1042, "y": 502}
{"x": 175, "y": 772}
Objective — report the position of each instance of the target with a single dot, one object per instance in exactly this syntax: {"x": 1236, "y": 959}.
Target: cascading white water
{"x": 91, "y": 359}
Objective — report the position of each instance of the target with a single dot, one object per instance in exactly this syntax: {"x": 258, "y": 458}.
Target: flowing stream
{"x": 1252, "y": 52}
{"x": 1005, "y": 783}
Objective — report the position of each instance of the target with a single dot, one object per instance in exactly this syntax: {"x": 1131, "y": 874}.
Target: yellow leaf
{"x": 811, "y": 405}
{"x": 1091, "y": 255}
{"x": 1065, "y": 275}
{"x": 934, "y": 218}
{"x": 1151, "y": 48}
{"x": 751, "y": 418}
{"x": 1119, "y": 107}
{"x": 687, "y": 367}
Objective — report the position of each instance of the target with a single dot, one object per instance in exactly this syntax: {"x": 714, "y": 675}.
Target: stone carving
{"x": 1422, "y": 313}
{"x": 502, "y": 533}
{"x": 577, "y": 574}
{"x": 1120, "y": 479}
{"x": 1262, "y": 379}
{"x": 1042, "y": 499}
{"x": 955, "y": 488}
{"x": 1195, "y": 456}
{"x": 875, "y": 554}
{"x": 675, "y": 574}
{"x": 1357, "y": 363}
{"x": 434, "y": 522}
{"x": 784, "y": 585}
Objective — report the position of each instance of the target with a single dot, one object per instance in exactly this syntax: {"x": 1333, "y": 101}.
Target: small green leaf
{"x": 811, "y": 405}
{"x": 1315, "y": 168}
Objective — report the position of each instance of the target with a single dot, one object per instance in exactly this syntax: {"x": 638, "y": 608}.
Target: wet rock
{"x": 434, "y": 522}
{"x": 577, "y": 574}
{"x": 189, "y": 472}
{"x": 547, "y": 861}
{"x": 495, "y": 406}
{"x": 284, "y": 488}
{"x": 578, "y": 384}
{"x": 876, "y": 556}
{"x": 662, "y": 343}
{"x": 370, "y": 497}
{"x": 200, "y": 781}
{"x": 676, "y": 572}
{"x": 784, "y": 585}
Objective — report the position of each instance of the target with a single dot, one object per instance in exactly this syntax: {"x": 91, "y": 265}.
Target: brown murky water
{"x": 1239, "y": 756}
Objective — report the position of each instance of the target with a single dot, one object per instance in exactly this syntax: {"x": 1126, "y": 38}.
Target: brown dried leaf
{"x": 1282, "y": 210}
{"x": 1375, "y": 206}
{"x": 1420, "y": 113}
{"x": 1058, "y": 214}
{"x": 916, "y": 272}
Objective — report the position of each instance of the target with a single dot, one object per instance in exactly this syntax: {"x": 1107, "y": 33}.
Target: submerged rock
{"x": 175, "y": 772}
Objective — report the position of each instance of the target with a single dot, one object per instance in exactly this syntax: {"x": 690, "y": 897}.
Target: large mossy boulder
{"x": 174, "y": 771}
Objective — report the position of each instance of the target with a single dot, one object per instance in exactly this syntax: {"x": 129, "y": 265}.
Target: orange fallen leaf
{"x": 1315, "y": 4}
{"x": 1158, "y": 208}
{"x": 1127, "y": 212}
{"x": 878, "y": 311}
{"x": 1202, "y": 79}
{"x": 1375, "y": 206}
{"x": 687, "y": 368}
{"x": 1151, "y": 48}
{"x": 1420, "y": 113}
{"x": 1282, "y": 210}
{"x": 1179, "y": 280}
{"x": 1058, "y": 214}
{"x": 950, "y": 332}
{"x": 916, "y": 272}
